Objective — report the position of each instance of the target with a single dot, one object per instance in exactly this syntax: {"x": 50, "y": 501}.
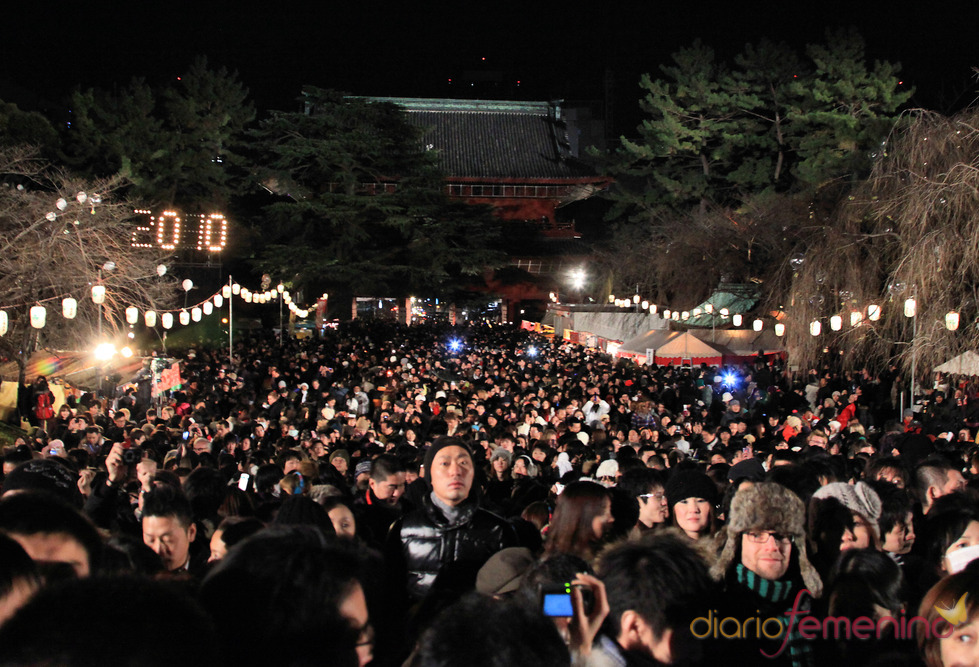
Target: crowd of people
{"x": 430, "y": 496}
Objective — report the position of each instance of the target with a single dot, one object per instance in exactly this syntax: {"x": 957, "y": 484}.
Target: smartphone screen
{"x": 558, "y": 604}
{"x": 243, "y": 481}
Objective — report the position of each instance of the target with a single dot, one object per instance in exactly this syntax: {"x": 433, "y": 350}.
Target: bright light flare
{"x": 104, "y": 351}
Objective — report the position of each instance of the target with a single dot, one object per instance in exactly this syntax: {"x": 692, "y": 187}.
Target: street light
{"x": 578, "y": 278}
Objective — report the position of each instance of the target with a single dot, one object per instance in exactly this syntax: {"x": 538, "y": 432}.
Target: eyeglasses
{"x": 654, "y": 496}
{"x": 761, "y": 537}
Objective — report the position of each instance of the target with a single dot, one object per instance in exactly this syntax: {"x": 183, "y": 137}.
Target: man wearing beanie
{"x": 437, "y": 549}
{"x": 762, "y": 567}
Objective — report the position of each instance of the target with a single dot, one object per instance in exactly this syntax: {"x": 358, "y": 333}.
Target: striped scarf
{"x": 800, "y": 650}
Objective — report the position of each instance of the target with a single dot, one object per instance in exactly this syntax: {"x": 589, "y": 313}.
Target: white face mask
{"x": 958, "y": 559}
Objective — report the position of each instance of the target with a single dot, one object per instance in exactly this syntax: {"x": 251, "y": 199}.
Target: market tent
{"x": 743, "y": 344}
{"x": 966, "y": 363}
{"x": 673, "y": 347}
{"x": 79, "y": 369}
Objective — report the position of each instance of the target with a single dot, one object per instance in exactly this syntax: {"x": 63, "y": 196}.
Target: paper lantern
{"x": 247, "y": 296}
{"x": 685, "y": 315}
{"x": 98, "y": 294}
{"x": 836, "y": 322}
{"x": 38, "y": 316}
{"x": 132, "y": 315}
{"x": 910, "y": 308}
{"x": 69, "y": 308}
{"x": 236, "y": 289}
{"x": 611, "y": 298}
{"x": 645, "y": 305}
{"x": 4, "y": 323}
{"x": 815, "y": 328}
{"x": 208, "y": 307}
{"x": 709, "y": 307}
{"x": 636, "y": 298}
{"x": 226, "y": 292}
{"x": 167, "y": 320}
{"x": 184, "y": 317}
{"x": 280, "y": 288}
{"x": 855, "y": 317}
{"x": 724, "y": 312}
{"x": 737, "y": 319}
{"x": 196, "y": 314}
{"x": 218, "y": 300}
{"x": 951, "y": 320}
{"x": 149, "y": 317}
{"x": 652, "y": 309}
{"x": 126, "y": 352}
{"x": 873, "y": 312}
{"x": 757, "y": 325}
{"x": 161, "y": 270}
{"x": 187, "y": 284}
{"x": 666, "y": 314}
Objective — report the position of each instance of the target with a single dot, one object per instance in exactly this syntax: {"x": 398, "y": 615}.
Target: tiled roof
{"x": 494, "y": 140}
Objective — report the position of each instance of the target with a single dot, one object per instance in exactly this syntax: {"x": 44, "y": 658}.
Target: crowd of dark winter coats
{"x": 430, "y": 495}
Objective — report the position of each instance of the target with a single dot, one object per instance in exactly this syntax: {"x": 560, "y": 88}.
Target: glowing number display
{"x": 166, "y": 231}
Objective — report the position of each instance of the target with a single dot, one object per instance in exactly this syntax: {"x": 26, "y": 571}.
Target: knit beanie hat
{"x": 441, "y": 444}
{"x": 858, "y": 498}
{"x": 766, "y": 506}
{"x": 690, "y": 484}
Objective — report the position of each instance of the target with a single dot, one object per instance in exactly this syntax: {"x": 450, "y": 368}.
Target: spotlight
{"x": 531, "y": 351}
{"x": 729, "y": 379}
{"x": 455, "y": 345}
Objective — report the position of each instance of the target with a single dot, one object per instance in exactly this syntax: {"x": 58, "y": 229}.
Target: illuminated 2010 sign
{"x": 170, "y": 231}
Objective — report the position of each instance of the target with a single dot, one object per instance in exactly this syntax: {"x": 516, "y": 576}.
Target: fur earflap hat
{"x": 766, "y": 506}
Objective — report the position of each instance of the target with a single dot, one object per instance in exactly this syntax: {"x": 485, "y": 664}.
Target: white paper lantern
{"x": 709, "y": 307}
{"x": 667, "y": 313}
{"x": 218, "y": 300}
{"x": 836, "y": 322}
{"x": 196, "y": 314}
{"x": 757, "y": 325}
{"x": 855, "y": 317}
{"x": 815, "y": 328}
{"x": 910, "y": 308}
{"x": 98, "y": 294}
{"x": 737, "y": 319}
{"x": 69, "y": 308}
{"x": 167, "y": 320}
{"x": 645, "y": 305}
{"x": 187, "y": 284}
{"x": 4, "y": 323}
{"x": 280, "y": 288}
{"x": 652, "y": 309}
{"x": 951, "y": 320}
{"x": 873, "y": 312}
{"x": 184, "y": 317}
{"x": 247, "y": 296}
{"x": 724, "y": 312}
{"x": 235, "y": 289}
{"x": 61, "y": 204}
{"x": 226, "y": 292}
{"x": 149, "y": 317}
{"x": 208, "y": 307}
{"x": 779, "y": 329}
{"x": 685, "y": 315}
{"x": 636, "y": 298}
{"x": 132, "y": 315}
{"x": 38, "y": 316}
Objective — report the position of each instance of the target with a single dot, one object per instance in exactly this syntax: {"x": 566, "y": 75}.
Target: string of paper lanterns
{"x": 873, "y": 314}
{"x": 195, "y": 313}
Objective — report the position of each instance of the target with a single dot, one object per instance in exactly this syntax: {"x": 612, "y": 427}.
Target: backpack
{"x": 44, "y": 409}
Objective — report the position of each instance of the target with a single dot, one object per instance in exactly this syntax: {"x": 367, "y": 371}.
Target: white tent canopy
{"x": 966, "y": 363}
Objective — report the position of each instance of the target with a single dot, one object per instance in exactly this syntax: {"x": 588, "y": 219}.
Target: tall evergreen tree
{"x": 362, "y": 206}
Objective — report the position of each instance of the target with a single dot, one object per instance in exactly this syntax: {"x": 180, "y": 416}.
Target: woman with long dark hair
{"x": 582, "y": 518}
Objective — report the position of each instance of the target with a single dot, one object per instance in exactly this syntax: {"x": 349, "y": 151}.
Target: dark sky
{"x": 555, "y": 50}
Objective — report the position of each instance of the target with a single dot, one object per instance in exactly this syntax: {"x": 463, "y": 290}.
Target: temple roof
{"x": 479, "y": 139}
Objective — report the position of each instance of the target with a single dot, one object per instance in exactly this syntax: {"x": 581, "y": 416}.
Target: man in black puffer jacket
{"x": 435, "y": 551}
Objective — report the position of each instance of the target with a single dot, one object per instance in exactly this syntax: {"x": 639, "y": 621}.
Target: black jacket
{"x": 436, "y": 557}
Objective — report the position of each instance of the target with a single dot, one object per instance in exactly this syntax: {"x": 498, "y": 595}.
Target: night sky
{"x": 555, "y": 50}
